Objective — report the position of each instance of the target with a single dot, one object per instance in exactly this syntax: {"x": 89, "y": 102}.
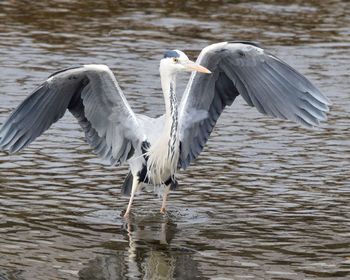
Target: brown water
{"x": 265, "y": 200}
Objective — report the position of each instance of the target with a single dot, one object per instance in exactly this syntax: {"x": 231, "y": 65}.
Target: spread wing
{"x": 264, "y": 81}
{"x": 91, "y": 93}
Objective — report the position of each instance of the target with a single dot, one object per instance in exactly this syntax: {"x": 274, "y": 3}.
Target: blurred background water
{"x": 266, "y": 199}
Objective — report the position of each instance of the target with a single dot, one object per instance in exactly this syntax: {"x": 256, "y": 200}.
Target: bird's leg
{"x": 135, "y": 185}
{"x": 165, "y": 195}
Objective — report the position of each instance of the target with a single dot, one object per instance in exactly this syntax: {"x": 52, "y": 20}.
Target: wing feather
{"x": 91, "y": 93}
{"x": 264, "y": 81}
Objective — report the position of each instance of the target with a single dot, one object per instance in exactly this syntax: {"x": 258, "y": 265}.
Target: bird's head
{"x": 177, "y": 61}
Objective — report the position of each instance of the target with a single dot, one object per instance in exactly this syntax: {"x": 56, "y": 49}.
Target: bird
{"x": 156, "y": 149}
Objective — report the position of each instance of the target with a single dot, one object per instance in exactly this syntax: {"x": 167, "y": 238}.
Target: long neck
{"x": 168, "y": 86}
{"x": 171, "y": 111}
{"x": 164, "y": 153}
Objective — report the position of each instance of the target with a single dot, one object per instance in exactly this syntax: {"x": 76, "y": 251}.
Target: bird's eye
{"x": 175, "y": 60}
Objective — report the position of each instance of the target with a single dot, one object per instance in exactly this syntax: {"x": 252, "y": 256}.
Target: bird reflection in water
{"x": 9, "y": 274}
{"x": 148, "y": 256}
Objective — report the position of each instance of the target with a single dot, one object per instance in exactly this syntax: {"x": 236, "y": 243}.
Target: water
{"x": 265, "y": 200}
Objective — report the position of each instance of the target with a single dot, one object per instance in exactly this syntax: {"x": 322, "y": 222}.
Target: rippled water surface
{"x": 266, "y": 199}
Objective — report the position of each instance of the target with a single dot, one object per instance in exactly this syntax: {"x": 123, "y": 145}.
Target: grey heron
{"x": 156, "y": 148}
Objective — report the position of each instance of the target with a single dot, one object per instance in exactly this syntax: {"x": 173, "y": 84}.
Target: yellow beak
{"x": 192, "y": 66}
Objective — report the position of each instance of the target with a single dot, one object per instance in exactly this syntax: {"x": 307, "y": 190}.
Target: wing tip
{"x": 327, "y": 102}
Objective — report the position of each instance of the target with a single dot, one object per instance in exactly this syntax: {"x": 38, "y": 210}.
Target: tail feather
{"x": 127, "y": 185}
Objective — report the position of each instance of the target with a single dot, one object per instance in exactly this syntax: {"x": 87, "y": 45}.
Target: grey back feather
{"x": 153, "y": 127}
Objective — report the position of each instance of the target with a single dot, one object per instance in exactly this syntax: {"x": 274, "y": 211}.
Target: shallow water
{"x": 266, "y": 199}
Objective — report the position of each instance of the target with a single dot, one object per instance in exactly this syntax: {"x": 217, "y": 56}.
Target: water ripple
{"x": 265, "y": 200}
